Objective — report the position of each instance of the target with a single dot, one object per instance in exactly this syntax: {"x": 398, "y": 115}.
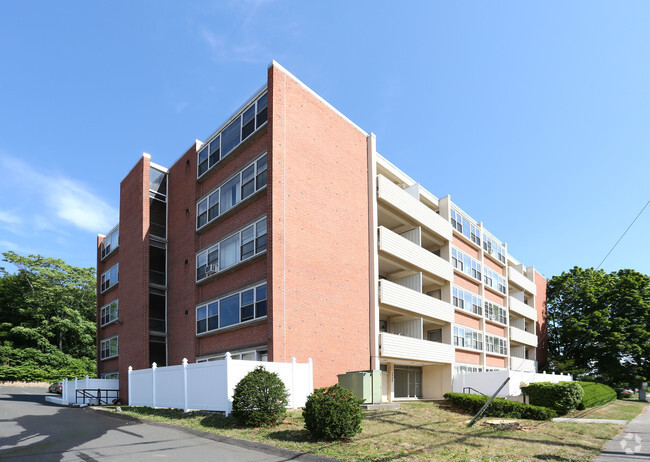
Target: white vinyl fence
{"x": 209, "y": 386}
{"x": 90, "y": 391}
{"x": 488, "y": 382}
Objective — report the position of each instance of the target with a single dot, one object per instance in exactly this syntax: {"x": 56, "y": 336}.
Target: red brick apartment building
{"x": 285, "y": 234}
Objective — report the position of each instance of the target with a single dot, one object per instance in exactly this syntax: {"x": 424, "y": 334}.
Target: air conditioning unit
{"x": 210, "y": 270}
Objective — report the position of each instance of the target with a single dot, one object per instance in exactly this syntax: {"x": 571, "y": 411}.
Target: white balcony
{"x": 401, "y": 297}
{"x": 521, "y": 336}
{"x": 521, "y": 364}
{"x": 402, "y": 347}
{"x": 413, "y": 255}
{"x": 515, "y": 277}
{"x": 520, "y": 308}
{"x": 395, "y": 197}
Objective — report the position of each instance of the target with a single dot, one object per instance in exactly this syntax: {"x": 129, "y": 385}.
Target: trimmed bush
{"x": 500, "y": 407}
{"x": 260, "y": 399}
{"x": 563, "y": 397}
{"x": 596, "y": 394}
{"x": 333, "y": 413}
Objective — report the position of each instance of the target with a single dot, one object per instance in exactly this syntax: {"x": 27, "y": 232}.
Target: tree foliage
{"x": 49, "y": 307}
{"x": 599, "y": 325}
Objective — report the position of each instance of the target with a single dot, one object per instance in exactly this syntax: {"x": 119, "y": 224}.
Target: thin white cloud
{"x": 242, "y": 44}
{"x": 51, "y": 202}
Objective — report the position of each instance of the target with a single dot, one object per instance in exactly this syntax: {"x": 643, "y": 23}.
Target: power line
{"x": 622, "y": 235}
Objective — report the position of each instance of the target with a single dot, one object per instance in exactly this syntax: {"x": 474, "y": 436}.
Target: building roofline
{"x": 279, "y": 66}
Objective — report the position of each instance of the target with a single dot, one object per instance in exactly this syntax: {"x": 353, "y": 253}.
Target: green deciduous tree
{"x": 47, "y": 305}
{"x": 599, "y": 325}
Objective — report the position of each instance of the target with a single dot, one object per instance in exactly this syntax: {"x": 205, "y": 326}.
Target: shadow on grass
{"x": 294, "y": 436}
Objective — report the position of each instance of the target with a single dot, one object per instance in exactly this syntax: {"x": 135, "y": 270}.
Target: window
{"x": 494, "y": 248}
{"x": 110, "y": 242}
{"x": 494, "y": 280}
{"x": 495, "y": 312}
{"x": 467, "y": 301}
{"x": 243, "y": 306}
{"x": 463, "y": 262}
{"x": 157, "y": 203}
{"x": 496, "y": 345}
{"x": 242, "y": 126}
{"x": 232, "y": 250}
{"x": 465, "y": 227}
{"x": 435, "y": 335}
{"x": 243, "y": 185}
{"x": 468, "y": 338}
{"x": 110, "y": 375}
{"x": 109, "y": 313}
{"x": 260, "y": 355}
{"x": 108, "y": 348}
{"x": 109, "y": 278}
{"x": 466, "y": 369}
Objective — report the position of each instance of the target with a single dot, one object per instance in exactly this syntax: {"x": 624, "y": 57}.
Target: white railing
{"x": 402, "y": 347}
{"x": 522, "y": 281}
{"x": 69, "y": 388}
{"x": 521, "y": 336}
{"x": 401, "y": 297}
{"x": 520, "y": 308}
{"x": 414, "y": 255}
{"x": 393, "y": 195}
{"x": 209, "y": 386}
{"x": 488, "y": 382}
{"x": 521, "y": 364}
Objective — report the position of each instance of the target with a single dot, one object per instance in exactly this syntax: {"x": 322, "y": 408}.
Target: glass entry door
{"x": 408, "y": 382}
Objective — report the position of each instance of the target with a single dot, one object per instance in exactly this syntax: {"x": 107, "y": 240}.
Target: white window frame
{"x": 217, "y": 137}
{"x": 466, "y": 264}
{"x": 467, "y": 301}
{"x": 106, "y": 275}
{"x": 114, "y": 235}
{"x": 114, "y": 375}
{"x": 205, "y": 201}
{"x": 475, "y": 337}
{"x": 219, "y": 299}
{"x": 107, "y": 342}
{"x": 106, "y": 311}
{"x": 495, "y": 312}
{"x": 203, "y": 254}
{"x": 494, "y": 343}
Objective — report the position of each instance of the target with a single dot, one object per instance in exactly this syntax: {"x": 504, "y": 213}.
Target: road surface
{"x": 34, "y": 430}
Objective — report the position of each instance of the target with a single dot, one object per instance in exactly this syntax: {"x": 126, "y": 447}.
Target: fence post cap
{"x": 228, "y": 355}
{"x": 130, "y": 369}
{"x": 184, "y": 362}
{"x": 154, "y": 365}
{"x": 309, "y": 361}
{"x": 293, "y": 360}
{"x": 87, "y": 377}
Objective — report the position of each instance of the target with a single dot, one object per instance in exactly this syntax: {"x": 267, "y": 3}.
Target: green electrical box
{"x": 365, "y": 385}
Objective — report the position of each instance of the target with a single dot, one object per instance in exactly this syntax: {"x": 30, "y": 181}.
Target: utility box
{"x": 365, "y": 385}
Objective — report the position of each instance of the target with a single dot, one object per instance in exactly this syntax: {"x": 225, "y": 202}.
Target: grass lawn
{"x": 621, "y": 409}
{"x": 422, "y": 431}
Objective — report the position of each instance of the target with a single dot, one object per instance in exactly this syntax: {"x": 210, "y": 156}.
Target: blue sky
{"x": 533, "y": 116}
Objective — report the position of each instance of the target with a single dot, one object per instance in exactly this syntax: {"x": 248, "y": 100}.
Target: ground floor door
{"x": 408, "y": 382}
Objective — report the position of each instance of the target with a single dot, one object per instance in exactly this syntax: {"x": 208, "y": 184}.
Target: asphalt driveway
{"x": 34, "y": 430}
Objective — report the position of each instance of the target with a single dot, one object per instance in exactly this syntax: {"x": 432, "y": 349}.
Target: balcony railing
{"x": 414, "y": 255}
{"x": 521, "y": 336}
{"x": 406, "y": 299}
{"x": 520, "y": 308}
{"x": 402, "y": 347}
{"x": 394, "y": 196}
{"x": 515, "y": 277}
{"x": 521, "y": 364}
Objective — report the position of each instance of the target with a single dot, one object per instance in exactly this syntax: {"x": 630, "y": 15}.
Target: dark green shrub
{"x": 596, "y": 394}
{"x": 260, "y": 399}
{"x": 562, "y": 397}
{"x": 626, "y": 395}
{"x": 499, "y": 407}
{"x": 332, "y": 413}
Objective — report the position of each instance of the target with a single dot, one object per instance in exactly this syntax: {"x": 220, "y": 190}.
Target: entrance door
{"x": 408, "y": 382}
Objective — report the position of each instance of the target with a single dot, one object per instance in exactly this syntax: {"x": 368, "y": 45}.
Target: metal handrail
{"x": 96, "y": 394}
{"x": 472, "y": 389}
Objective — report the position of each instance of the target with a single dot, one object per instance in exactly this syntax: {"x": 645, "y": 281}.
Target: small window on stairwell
{"x": 383, "y": 325}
